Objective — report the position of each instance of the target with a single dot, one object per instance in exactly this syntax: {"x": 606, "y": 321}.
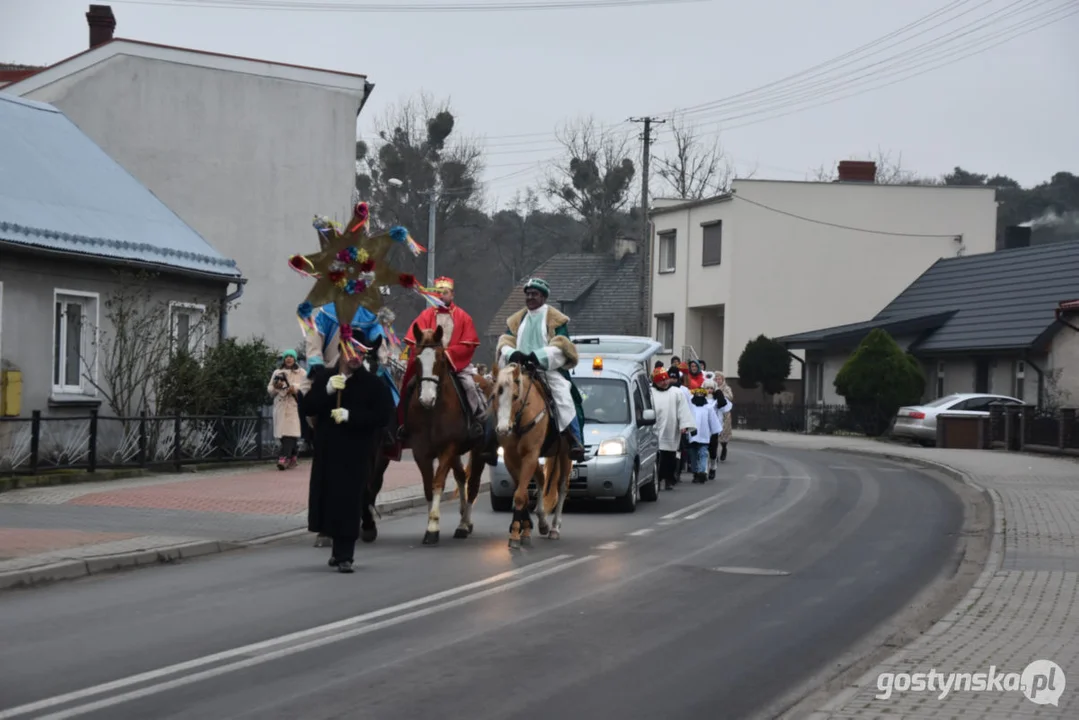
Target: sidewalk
{"x": 1024, "y": 607}
{"x": 68, "y": 531}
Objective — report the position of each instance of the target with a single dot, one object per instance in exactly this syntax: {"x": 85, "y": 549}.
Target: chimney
{"x": 102, "y": 24}
{"x": 1016, "y": 236}
{"x": 857, "y": 171}
{"x": 624, "y": 246}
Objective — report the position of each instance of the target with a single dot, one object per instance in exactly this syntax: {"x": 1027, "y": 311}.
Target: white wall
{"x": 782, "y": 275}
{"x": 245, "y": 160}
{"x": 1064, "y": 359}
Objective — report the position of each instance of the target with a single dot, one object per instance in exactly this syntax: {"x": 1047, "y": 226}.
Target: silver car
{"x": 919, "y": 422}
{"x": 621, "y": 446}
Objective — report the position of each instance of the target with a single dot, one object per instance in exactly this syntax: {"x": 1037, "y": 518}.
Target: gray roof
{"x": 998, "y": 301}
{"x": 59, "y": 191}
{"x": 599, "y": 293}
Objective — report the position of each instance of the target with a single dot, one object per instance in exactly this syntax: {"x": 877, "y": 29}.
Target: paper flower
{"x": 407, "y": 281}
{"x": 305, "y": 309}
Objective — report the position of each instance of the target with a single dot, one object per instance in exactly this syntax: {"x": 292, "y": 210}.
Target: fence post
{"x": 93, "y": 441}
{"x": 1026, "y": 417}
{"x": 258, "y": 433}
{"x": 143, "y": 439}
{"x": 176, "y": 444}
{"x": 1065, "y": 425}
{"x": 35, "y": 440}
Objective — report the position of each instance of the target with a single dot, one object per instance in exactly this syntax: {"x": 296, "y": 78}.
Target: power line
{"x": 441, "y": 7}
{"x": 837, "y": 225}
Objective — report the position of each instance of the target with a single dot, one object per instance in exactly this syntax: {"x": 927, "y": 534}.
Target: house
{"x": 990, "y": 323}
{"x": 13, "y": 73}
{"x": 245, "y": 151}
{"x": 70, "y": 216}
{"x": 775, "y": 257}
{"x": 599, "y": 292}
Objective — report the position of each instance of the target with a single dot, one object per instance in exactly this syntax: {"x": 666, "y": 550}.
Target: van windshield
{"x": 605, "y": 400}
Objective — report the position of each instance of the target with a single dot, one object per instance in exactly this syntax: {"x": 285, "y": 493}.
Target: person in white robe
{"x": 673, "y": 420}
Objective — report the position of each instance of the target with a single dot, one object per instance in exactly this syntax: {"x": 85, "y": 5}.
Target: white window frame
{"x": 84, "y": 298}
{"x": 667, "y": 239}
{"x": 1019, "y": 384}
{"x": 665, "y": 318}
{"x": 816, "y": 369}
{"x": 939, "y": 384}
{"x": 176, "y": 308}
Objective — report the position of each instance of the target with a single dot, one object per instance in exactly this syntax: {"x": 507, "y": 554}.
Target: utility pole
{"x": 431, "y": 214}
{"x": 644, "y": 248}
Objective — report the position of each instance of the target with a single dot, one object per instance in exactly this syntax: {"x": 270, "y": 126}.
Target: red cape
{"x": 465, "y": 340}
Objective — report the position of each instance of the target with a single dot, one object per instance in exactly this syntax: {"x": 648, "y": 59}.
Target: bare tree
{"x": 696, "y": 166}
{"x": 593, "y": 181}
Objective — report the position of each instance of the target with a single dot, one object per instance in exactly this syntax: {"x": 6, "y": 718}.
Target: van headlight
{"x": 613, "y": 446}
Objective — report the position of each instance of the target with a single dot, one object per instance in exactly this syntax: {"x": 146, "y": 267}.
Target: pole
{"x": 645, "y": 246}
{"x": 432, "y": 212}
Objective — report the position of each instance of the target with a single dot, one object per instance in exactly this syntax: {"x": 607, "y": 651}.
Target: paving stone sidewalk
{"x": 1024, "y": 607}
{"x": 68, "y": 531}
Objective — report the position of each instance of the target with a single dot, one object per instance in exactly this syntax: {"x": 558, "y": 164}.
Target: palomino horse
{"x": 526, "y": 431}
{"x": 437, "y": 423}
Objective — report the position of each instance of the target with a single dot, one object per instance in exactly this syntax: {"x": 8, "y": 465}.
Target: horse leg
{"x": 543, "y": 488}
{"x": 475, "y": 474}
{"x": 522, "y": 521}
{"x": 425, "y": 464}
{"x": 562, "y": 479}
{"x": 465, "y": 528}
{"x": 368, "y": 528}
{"x": 438, "y": 484}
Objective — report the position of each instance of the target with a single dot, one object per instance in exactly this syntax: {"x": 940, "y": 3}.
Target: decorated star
{"x": 351, "y": 270}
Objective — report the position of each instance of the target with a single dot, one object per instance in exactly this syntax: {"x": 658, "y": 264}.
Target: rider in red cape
{"x": 460, "y": 339}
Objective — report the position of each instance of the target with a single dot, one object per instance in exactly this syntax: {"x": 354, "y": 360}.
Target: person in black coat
{"x": 348, "y": 438}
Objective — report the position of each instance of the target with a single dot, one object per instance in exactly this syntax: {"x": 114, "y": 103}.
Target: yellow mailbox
{"x": 10, "y": 393}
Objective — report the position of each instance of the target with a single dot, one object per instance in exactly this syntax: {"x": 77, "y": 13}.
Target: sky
{"x": 514, "y": 78}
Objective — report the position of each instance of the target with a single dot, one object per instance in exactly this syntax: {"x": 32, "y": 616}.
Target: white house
{"x": 245, "y": 151}
{"x": 777, "y": 257}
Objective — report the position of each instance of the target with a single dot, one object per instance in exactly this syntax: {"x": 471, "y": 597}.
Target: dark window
{"x": 638, "y": 401}
{"x": 713, "y": 243}
{"x": 605, "y": 400}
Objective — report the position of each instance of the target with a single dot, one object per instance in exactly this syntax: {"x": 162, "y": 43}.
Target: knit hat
{"x": 538, "y": 284}
{"x": 659, "y": 374}
{"x": 289, "y": 353}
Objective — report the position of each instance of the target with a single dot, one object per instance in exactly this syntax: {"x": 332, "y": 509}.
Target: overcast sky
{"x": 1011, "y": 109}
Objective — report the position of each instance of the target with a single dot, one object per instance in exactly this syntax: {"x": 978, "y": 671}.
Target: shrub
{"x": 879, "y": 378}
{"x": 764, "y": 363}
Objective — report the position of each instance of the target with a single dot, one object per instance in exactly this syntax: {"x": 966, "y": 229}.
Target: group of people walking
{"x": 692, "y": 420}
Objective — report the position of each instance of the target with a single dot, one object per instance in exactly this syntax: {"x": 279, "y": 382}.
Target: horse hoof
{"x": 460, "y": 533}
{"x": 544, "y": 529}
{"x": 526, "y": 541}
{"x": 430, "y": 537}
{"x": 515, "y": 544}
{"x": 369, "y": 535}
{"x": 554, "y": 535}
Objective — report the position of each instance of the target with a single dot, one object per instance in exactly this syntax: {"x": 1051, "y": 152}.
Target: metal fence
{"x": 1030, "y": 428}
{"x": 92, "y": 442}
{"x": 815, "y": 419}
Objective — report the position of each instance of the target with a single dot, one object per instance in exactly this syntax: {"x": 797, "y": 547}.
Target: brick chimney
{"x": 857, "y": 171}
{"x": 102, "y": 24}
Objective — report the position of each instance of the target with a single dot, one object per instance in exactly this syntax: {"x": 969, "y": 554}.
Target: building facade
{"x": 776, "y": 257}
{"x": 245, "y": 151}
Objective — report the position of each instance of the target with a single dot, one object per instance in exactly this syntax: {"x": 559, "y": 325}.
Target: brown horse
{"x": 525, "y": 421}
{"x": 438, "y": 430}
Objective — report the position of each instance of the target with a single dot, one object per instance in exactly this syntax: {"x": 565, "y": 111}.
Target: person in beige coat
{"x": 285, "y": 382}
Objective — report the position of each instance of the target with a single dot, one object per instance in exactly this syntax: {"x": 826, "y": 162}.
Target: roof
{"x": 999, "y": 301}
{"x": 335, "y": 79}
{"x": 10, "y": 73}
{"x": 59, "y": 191}
{"x": 690, "y": 204}
{"x": 601, "y": 293}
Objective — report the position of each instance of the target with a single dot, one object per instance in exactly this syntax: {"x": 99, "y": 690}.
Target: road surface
{"x": 708, "y": 604}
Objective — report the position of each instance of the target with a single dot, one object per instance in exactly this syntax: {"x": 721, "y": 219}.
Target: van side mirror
{"x": 648, "y": 417}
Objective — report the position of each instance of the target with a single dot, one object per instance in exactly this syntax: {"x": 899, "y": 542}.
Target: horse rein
{"x": 522, "y": 431}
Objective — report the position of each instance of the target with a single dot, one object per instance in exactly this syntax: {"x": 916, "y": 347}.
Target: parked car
{"x": 919, "y": 422}
{"x": 621, "y": 446}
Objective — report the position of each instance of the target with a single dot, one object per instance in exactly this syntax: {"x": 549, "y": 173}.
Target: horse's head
{"x": 507, "y": 396}
{"x": 432, "y": 359}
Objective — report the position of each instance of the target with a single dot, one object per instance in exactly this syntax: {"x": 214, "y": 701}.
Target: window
{"x": 668, "y": 251}
{"x": 1020, "y": 378}
{"x": 75, "y": 325}
{"x": 665, "y": 332}
{"x": 940, "y": 379}
{"x": 645, "y": 387}
{"x": 605, "y": 400}
{"x": 185, "y": 324}
{"x": 713, "y": 243}
{"x": 815, "y": 380}
{"x": 638, "y": 401}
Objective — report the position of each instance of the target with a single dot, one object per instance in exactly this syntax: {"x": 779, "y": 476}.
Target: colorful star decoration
{"x": 351, "y": 271}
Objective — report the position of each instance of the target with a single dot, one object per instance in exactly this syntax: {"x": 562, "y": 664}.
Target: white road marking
{"x": 693, "y": 506}
{"x": 609, "y": 546}
{"x": 642, "y": 531}
{"x": 528, "y": 571}
{"x": 672, "y": 521}
{"x": 842, "y": 467}
{"x": 748, "y": 571}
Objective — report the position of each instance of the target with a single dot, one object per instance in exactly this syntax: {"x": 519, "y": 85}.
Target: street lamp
{"x": 432, "y": 196}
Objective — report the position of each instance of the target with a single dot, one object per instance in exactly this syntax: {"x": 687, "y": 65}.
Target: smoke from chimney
{"x": 1067, "y": 221}
{"x": 102, "y": 24}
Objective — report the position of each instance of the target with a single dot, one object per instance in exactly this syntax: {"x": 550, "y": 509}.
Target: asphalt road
{"x": 628, "y": 616}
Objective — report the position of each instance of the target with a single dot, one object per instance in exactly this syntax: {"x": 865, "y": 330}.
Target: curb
{"x": 993, "y": 563}
{"x": 72, "y": 569}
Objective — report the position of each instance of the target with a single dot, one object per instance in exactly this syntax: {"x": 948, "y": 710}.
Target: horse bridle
{"x": 522, "y": 431}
